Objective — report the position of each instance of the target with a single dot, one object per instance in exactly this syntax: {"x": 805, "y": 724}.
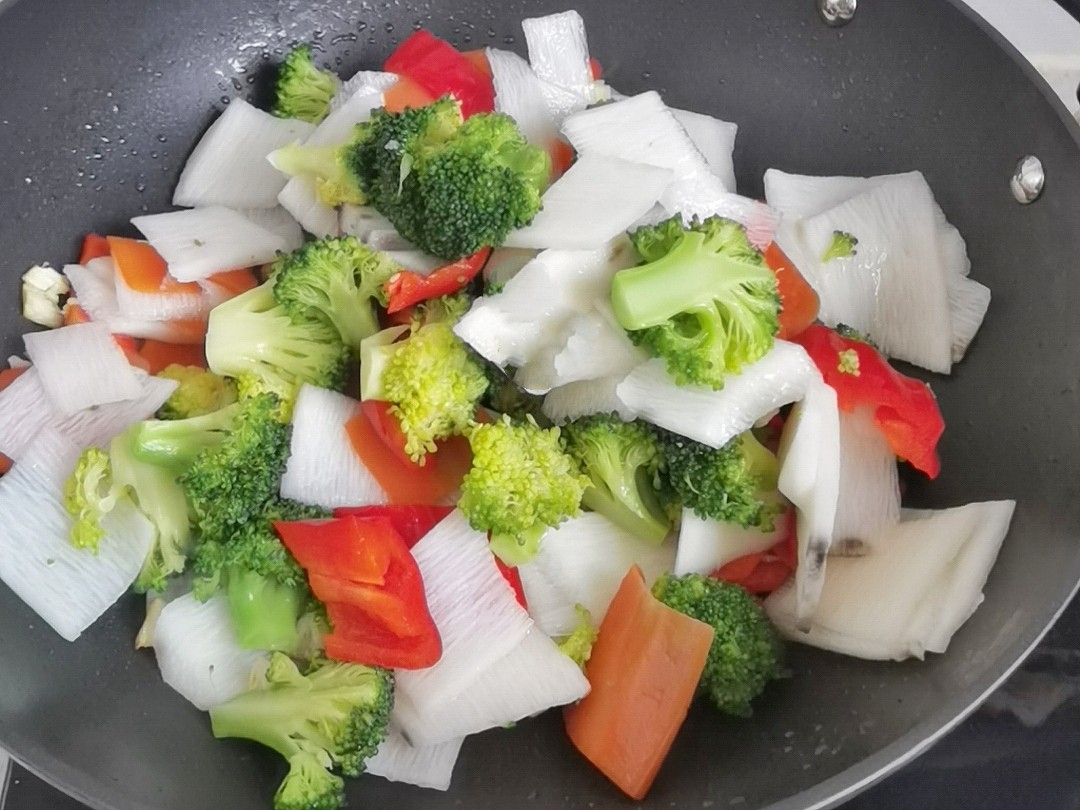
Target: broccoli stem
{"x": 645, "y": 519}
{"x": 518, "y": 549}
{"x": 684, "y": 280}
{"x": 264, "y": 612}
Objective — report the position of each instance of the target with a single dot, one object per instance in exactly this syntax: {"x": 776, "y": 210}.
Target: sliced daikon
{"x": 705, "y": 545}
{"x": 519, "y": 94}
{"x": 869, "y": 495}
{"x": 584, "y": 398}
{"x": 338, "y": 127}
{"x": 968, "y": 302}
{"x": 276, "y": 220}
{"x": 300, "y": 198}
{"x": 427, "y": 766}
{"x": 559, "y": 56}
{"x": 549, "y": 606}
{"x": 715, "y": 139}
{"x": 365, "y": 81}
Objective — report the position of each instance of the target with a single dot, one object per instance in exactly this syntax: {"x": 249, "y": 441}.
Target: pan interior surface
{"x": 103, "y": 101}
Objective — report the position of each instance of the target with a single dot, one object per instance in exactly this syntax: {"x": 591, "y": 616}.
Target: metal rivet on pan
{"x": 837, "y": 12}
{"x": 1028, "y": 180}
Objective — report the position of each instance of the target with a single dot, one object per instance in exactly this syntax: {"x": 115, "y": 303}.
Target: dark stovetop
{"x": 1008, "y": 756}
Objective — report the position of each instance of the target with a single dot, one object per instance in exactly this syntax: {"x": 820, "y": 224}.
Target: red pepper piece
{"x": 407, "y": 287}
{"x": 440, "y": 69}
{"x": 327, "y": 548}
{"x": 359, "y": 640}
{"x": 411, "y": 522}
{"x": 513, "y": 579}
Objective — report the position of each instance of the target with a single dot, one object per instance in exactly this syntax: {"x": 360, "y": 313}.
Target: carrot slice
{"x": 158, "y": 355}
{"x": 234, "y": 282}
{"x": 93, "y": 247}
{"x": 405, "y": 94}
{"x": 73, "y": 313}
{"x": 7, "y": 377}
{"x": 644, "y": 671}
{"x": 478, "y": 59}
{"x": 142, "y": 269}
{"x": 562, "y": 155}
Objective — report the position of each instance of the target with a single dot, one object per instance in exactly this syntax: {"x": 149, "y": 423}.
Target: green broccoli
{"x": 335, "y": 716}
{"x": 200, "y": 392}
{"x": 504, "y": 396}
{"x": 578, "y": 645}
{"x": 89, "y": 495}
{"x": 434, "y": 385}
{"x": 746, "y": 651}
{"x": 338, "y": 281}
{"x": 704, "y": 300}
{"x": 521, "y": 483}
{"x": 450, "y": 186}
{"x": 842, "y": 246}
{"x": 302, "y": 90}
{"x": 734, "y": 484}
{"x": 173, "y": 445}
{"x": 253, "y": 335}
{"x": 623, "y": 460}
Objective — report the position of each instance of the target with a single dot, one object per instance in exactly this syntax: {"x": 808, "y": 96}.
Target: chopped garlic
{"x": 42, "y": 287}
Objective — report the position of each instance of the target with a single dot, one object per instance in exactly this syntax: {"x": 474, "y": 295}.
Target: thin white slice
{"x": 365, "y": 81}
{"x": 519, "y": 94}
{"x": 586, "y": 397}
{"x": 715, "y": 139}
{"x": 426, "y": 766}
{"x": 869, "y": 494}
{"x": 300, "y": 198}
{"x": 277, "y": 220}
{"x": 337, "y": 128}
{"x": 559, "y": 56}
{"x": 705, "y": 545}
{"x": 549, "y": 605}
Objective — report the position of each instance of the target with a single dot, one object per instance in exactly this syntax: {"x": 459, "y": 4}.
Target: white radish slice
{"x": 277, "y": 220}
{"x": 968, "y": 303}
{"x": 198, "y": 654}
{"x": 202, "y": 241}
{"x": 869, "y": 495}
{"x": 361, "y": 221}
{"x": 365, "y": 81}
{"x": 810, "y": 478}
{"x": 322, "y": 469}
{"x": 69, "y": 588}
{"x": 300, "y": 197}
{"x": 337, "y": 128}
{"x": 716, "y": 417}
{"x": 426, "y": 766}
{"x": 596, "y": 200}
{"x": 142, "y": 306}
{"x": 715, "y": 139}
{"x": 909, "y": 596}
{"x": 519, "y": 94}
{"x": 559, "y": 56}
{"x": 705, "y": 545}
{"x": 228, "y": 166}
{"x": 81, "y": 366}
{"x": 549, "y": 606}
{"x": 584, "y": 398}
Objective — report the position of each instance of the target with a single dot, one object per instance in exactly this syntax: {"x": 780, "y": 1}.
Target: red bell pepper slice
{"x": 408, "y": 287}
{"x": 388, "y": 428}
{"x": 94, "y": 247}
{"x": 513, "y": 579}
{"x": 411, "y": 522}
{"x": 799, "y": 302}
{"x": 905, "y": 409}
{"x": 440, "y": 69}
{"x": 379, "y": 624}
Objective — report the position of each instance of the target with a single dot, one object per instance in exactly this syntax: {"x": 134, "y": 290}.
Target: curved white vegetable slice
{"x": 301, "y": 199}
{"x": 81, "y": 366}
{"x": 559, "y": 56}
{"x": 519, "y": 94}
{"x": 365, "y": 81}
{"x": 478, "y": 618}
{"x": 596, "y": 347}
{"x": 599, "y": 198}
{"x": 228, "y": 166}
{"x": 705, "y": 545}
{"x": 427, "y": 766}
{"x": 584, "y": 398}
{"x": 715, "y": 417}
{"x": 810, "y": 478}
{"x": 869, "y": 495}
{"x": 143, "y": 306}
{"x": 198, "y": 653}
{"x": 69, "y": 588}
{"x": 532, "y": 678}
{"x": 361, "y": 221}
{"x": 715, "y": 139}
{"x": 968, "y": 302}
{"x": 202, "y": 241}
{"x": 337, "y": 128}
{"x": 549, "y": 606}
{"x": 537, "y": 304}
{"x": 588, "y": 556}
{"x": 909, "y": 596}
{"x": 277, "y": 220}
{"x": 322, "y": 469}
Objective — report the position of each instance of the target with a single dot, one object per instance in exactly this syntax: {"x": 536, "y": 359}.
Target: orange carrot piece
{"x": 93, "y": 247}
{"x": 562, "y": 156}
{"x": 644, "y": 671}
{"x": 159, "y": 355}
{"x": 142, "y": 269}
{"x": 478, "y": 59}
{"x": 405, "y": 94}
{"x": 73, "y": 313}
{"x": 234, "y": 282}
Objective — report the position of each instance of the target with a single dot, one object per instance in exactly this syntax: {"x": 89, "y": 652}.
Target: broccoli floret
{"x": 302, "y": 90}
{"x": 434, "y": 384}
{"x": 89, "y": 495}
{"x": 335, "y": 716}
{"x": 159, "y": 497}
{"x": 842, "y": 246}
{"x": 704, "y": 301}
{"x": 253, "y": 335}
{"x": 851, "y": 333}
{"x": 746, "y": 652}
{"x": 200, "y": 392}
{"x": 504, "y": 396}
{"x": 449, "y": 186}
{"x": 623, "y": 461}
{"x": 174, "y": 445}
{"x": 336, "y": 280}
{"x": 578, "y": 645}
{"x": 735, "y": 483}
{"x": 521, "y": 482}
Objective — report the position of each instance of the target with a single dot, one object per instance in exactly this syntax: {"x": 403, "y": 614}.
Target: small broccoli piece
{"x": 704, "y": 300}
{"x": 735, "y": 484}
{"x": 335, "y": 716}
{"x": 447, "y": 309}
{"x": 338, "y": 281}
{"x": 302, "y": 90}
{"x": 521, "y": 483}
{"x": 746, "y": 652}
{"x": 174, "y": 445}
{"x": 849, "y": 363}
{"x": 448, "y": 185}
{"x": 264, "y": 612}
{"x": 623, "y": 461}
{"x": 504, "y": 396}
{"x": 851, "y": 333}
{"x": 578, "y": 645}
{"x": 89, "y": 495}
{"x": 200, "y": 392}
{"x": 253, "y": 335}
{"x": 842, "y": 246}
{"x": 434, "y": 385}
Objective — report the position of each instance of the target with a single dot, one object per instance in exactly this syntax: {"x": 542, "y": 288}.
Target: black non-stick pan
{"x": 100, "y": 100}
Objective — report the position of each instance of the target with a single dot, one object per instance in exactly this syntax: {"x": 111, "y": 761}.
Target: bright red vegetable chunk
{"x": 411, "y": 522}
{"x": 440, "y": 69}
{"x": 905, "y": 409}
{"x": 407, "y": 288}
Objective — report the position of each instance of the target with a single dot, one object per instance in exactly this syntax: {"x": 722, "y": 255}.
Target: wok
{"x": 102, "y": 100}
